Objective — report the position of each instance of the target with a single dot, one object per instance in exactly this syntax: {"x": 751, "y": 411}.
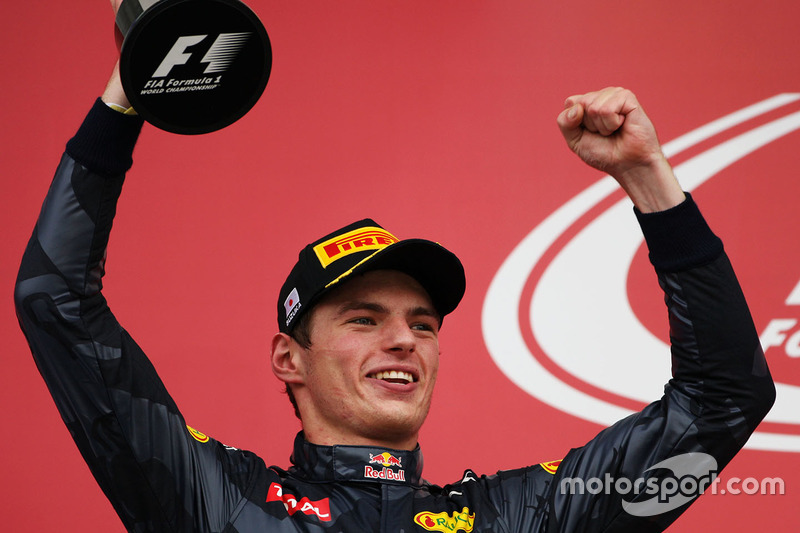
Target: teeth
{"x": 393, "y": 374}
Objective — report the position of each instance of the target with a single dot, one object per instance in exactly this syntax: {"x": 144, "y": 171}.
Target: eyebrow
{"x": 378, "y": 308}
{"x": 362, "y": 306}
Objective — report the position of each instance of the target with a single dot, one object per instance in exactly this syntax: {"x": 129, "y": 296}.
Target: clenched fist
{"x": 609, "y": 130}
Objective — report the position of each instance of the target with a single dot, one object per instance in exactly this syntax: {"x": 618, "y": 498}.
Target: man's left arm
{"x": 721, "y": 388}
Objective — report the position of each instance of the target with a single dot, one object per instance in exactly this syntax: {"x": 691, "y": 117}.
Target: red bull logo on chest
{"x": 386, "y": 460}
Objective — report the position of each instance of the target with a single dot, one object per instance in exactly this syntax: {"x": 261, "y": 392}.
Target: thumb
{"x": 569, "y": 121}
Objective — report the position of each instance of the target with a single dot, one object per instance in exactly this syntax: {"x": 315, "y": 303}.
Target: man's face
{"x": 369, "y": 373}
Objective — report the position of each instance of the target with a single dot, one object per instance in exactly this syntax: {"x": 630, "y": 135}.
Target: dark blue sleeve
{"x": 719, "y": 392}
{"x": 157, "y": 475}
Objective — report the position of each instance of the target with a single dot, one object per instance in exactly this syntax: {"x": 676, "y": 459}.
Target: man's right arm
{"x": 155, "y": 472}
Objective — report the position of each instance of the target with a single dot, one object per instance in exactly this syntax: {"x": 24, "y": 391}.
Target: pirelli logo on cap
{"x": 368, "y": 238}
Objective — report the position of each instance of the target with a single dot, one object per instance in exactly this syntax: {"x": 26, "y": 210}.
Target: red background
{"x": 438, "y": 120}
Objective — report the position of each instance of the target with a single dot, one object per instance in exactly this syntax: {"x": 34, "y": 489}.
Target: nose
{"x": 398, "y": 336}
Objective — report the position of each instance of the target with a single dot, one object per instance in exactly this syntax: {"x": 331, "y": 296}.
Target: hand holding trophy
{"x": 192, "y": 66}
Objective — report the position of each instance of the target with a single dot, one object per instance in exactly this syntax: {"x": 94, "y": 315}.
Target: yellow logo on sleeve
{"x": 551, "y": 466}
{"x": 199, "y": 437}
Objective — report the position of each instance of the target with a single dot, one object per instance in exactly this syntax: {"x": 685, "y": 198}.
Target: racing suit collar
{"x": 356, "y": 463}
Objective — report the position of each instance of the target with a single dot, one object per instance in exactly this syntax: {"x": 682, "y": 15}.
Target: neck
{"x": 329, "y": 437}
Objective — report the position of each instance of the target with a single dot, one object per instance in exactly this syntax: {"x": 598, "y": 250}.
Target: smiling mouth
{"x": 393, "y": 376}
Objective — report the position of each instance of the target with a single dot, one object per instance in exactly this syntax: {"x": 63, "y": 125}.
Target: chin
{"x": 396, "y": 428}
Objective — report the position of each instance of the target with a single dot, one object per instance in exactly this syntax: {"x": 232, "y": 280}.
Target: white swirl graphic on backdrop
{"x": 564, "y": 310}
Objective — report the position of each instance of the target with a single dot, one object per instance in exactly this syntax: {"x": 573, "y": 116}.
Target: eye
{"x": 423, "y": 326}
{"x": 362, "y": 321}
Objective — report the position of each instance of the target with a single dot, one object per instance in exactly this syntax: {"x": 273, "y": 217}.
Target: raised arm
{"x": 157, "y": 473}
{"x": 720, "y": 388}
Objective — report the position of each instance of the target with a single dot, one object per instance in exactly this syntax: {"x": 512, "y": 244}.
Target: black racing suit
{"x": 161, "y": 475}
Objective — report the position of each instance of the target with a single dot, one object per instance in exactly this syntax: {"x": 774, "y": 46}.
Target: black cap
{"x": 360, "y": 247}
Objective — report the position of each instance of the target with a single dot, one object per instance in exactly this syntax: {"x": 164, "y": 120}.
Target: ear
{"x": 287, "y": 364}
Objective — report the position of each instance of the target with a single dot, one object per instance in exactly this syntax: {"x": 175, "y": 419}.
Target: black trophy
{"x": 192, "y": 66}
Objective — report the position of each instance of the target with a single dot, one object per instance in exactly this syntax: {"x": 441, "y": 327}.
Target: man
{"x": 357, "y": 347}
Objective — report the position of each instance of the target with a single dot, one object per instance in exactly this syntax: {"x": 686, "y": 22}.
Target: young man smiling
{"x": 358, "y": 321}
{"x": 367, "y": 376}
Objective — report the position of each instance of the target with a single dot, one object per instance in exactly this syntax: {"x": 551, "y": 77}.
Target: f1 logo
{"x": 222, "y": 52}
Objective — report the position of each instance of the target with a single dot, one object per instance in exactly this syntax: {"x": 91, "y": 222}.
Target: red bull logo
{"x": 385, "y": 459}
{"x": 386, "y": 474}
